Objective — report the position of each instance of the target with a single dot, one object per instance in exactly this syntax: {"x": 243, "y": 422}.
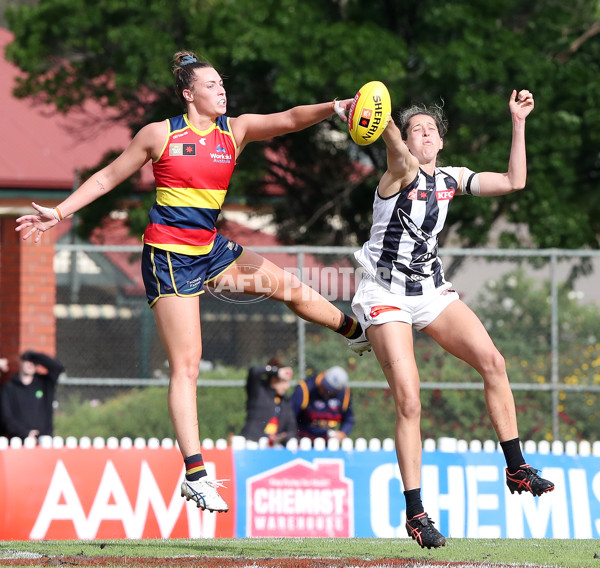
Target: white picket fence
{"x": 447, "y": 445}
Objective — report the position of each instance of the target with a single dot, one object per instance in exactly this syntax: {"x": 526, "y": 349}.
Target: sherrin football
{"x": 369, "y": 113}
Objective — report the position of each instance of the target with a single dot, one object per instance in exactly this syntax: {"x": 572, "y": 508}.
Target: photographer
{"x": 268, "y": 409}
{"x": 26, "y": 401}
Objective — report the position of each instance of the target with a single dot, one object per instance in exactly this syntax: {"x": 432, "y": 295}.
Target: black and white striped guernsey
{"x": 402, "y": 251}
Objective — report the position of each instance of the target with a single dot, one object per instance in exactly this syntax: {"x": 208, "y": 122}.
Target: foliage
{"x": 470, "y": 55}
{"x": 221, "y": 411}
{"x": 517, "y": 314}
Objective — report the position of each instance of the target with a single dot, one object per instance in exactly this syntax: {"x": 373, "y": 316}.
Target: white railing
{"x": 447, "y": 445}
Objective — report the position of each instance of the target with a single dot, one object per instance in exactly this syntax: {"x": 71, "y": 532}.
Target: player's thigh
{"x": 392, "y": 344}
{"x": 460, "y": 332}
{"x": 178, "y": 322}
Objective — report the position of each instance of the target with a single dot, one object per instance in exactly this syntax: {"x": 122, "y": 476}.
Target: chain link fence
{"x": 107, "y": 338}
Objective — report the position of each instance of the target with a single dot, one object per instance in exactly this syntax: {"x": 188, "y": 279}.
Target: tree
{"x": 278, "y": 53}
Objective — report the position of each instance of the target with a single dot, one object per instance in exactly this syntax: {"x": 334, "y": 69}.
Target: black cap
{"x": 28, "y": 356}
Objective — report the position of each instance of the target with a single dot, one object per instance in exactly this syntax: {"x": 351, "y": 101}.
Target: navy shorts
{"x": 168, "y": 273}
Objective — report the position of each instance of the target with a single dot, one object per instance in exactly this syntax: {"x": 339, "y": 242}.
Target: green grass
{"x": 518, "y": 552}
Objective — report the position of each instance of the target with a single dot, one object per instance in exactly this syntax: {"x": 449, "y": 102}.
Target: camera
{"x": 271, "y": 370}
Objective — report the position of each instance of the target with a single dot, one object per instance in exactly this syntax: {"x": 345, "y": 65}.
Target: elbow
{"x": 516, "y": 183}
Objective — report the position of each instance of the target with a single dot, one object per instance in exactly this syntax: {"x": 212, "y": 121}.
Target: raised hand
{"x": 522, "y": 104}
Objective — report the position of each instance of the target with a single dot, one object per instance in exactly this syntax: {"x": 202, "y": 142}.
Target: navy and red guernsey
{"x": 192, "y": 175}
{"x": 317, "y": 415}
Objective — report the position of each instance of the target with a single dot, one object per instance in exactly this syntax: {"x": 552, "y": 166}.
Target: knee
{"x": 409, "y": 408}
{"x": 185, "y": 372}
{"x": 492, "y": 364}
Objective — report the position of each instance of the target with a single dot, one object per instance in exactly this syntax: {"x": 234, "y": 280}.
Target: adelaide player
{"x": 193, "y": 157}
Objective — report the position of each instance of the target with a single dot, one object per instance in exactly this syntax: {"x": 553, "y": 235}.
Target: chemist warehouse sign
{"x": 360, "y": 494}
{"x": 300, "y": 498}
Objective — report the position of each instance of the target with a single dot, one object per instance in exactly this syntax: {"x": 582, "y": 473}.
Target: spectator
{"x": 26, "y": 403}
{"x": 323, "y": 405}
{"x": 268, "y": 409}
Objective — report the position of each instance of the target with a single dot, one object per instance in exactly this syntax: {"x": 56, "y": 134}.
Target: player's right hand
{"x": 36, "y": 224}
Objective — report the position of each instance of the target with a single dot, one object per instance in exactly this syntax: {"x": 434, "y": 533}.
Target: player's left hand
{"x": 521, "y": 104}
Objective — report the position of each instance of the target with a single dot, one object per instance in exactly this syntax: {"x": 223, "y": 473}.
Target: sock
{"x": 414, "y": 506}
{"x": 194, "y": 467}
{"x": 350, "y": 328}
{"x": 512, "y": 454}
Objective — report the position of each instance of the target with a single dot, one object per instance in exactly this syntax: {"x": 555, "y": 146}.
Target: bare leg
{"x": 460, "y": 332}
{"x": 255, "y": 275}
{"x": 178, "y": 322}
{"x": 393, "y": 346}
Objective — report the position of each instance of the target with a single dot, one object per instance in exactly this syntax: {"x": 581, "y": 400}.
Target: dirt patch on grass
{"x": 220, "y": 562}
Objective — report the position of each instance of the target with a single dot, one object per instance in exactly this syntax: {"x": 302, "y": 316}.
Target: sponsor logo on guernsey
{"x": 179, "y": 149}
{"x": 202, "y": 141}
{"x": 444, "y": 194}
{"x": 181, "y": 134}
{"x": 221, "y": 156}
{"x": 418, "y": 194}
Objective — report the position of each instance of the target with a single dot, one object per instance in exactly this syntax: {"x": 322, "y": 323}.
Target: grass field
{"x": 288, "y": 552}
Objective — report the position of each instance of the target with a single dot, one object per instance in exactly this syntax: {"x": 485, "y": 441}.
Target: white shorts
{"x": 374, "y": 305}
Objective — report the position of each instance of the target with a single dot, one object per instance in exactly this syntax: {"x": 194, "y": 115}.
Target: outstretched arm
{"x": 492, "y": 183}
{"x": 402, "y": 166}
{"x": 103, "y": 181}
{"x": 254, "y": 127}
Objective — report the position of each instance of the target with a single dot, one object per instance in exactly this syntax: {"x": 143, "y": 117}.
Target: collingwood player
{"x": 404, "y": 287}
